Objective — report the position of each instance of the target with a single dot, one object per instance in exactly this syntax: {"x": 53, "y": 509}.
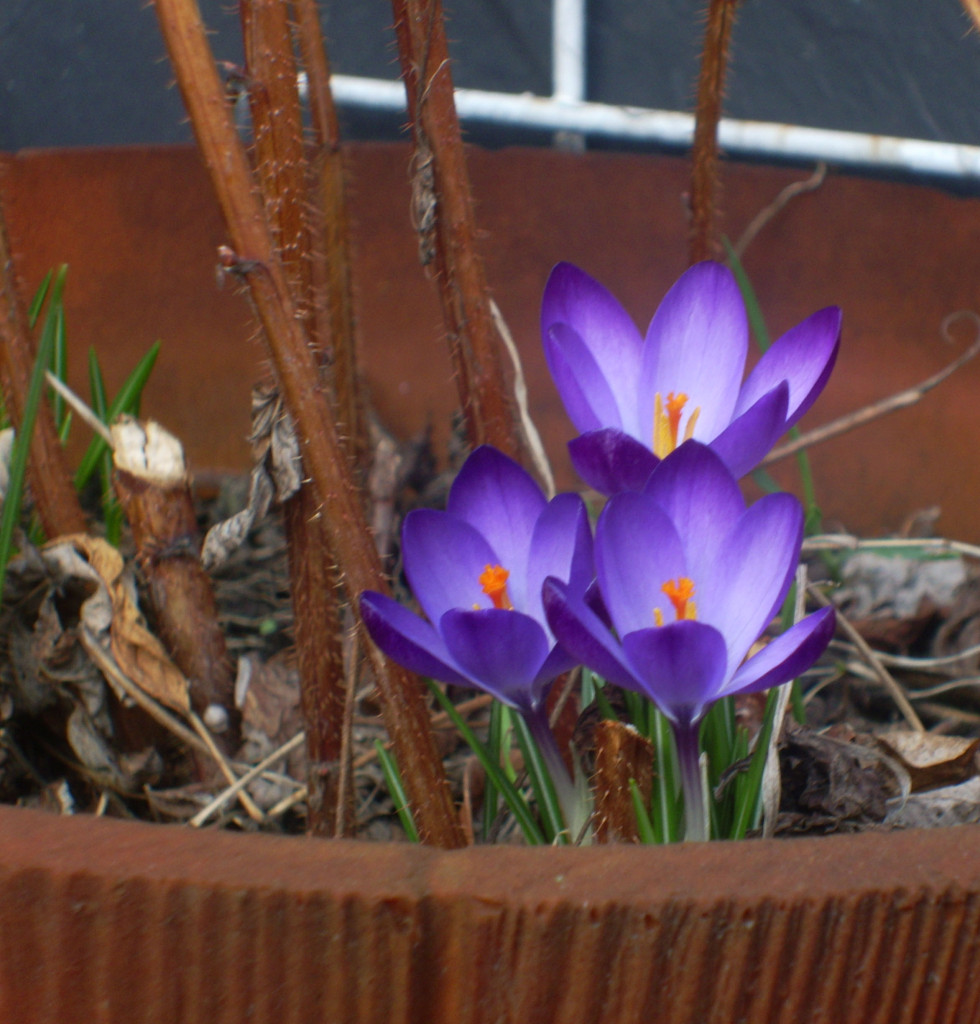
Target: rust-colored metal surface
{"x": 140, "y": 230}
{"x": 108, "y": 921}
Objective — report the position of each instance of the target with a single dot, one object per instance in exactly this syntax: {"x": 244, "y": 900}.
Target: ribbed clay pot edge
{"x": 117, "y": 921}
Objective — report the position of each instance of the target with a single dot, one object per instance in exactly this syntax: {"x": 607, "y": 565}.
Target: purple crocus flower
{"x": 477, "y": 571}
{"x": 690, "y": 578}
{"x": 635, "y": 399}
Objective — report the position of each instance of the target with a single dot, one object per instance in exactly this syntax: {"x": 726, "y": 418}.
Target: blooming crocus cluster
{"x": 690, "y": 578}
{"x": 477, "y": 570}
{"x": 682, "y": 579}
{"x": 634, "y": 399}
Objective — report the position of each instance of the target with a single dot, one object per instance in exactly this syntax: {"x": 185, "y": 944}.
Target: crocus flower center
{"x": 493, "y": 580}
{"x": 679, "y": 592}
{"x": 667, "y": 422}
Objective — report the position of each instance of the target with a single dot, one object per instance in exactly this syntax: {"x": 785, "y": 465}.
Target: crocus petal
{"x": 584, "y": 635}
{"x": 748, "y": 439}
{"x": 637, "y": 550}
{"x": 409, "y": 640}
{"x": 557, "y": 662}
{"x": 444, "y": 557}
{"x": 681, "y": 666}
{"x": 573, "y": 297}
{"x": 787, "y": 656}
{"x": 561, "y": 546}
{"x": 701, "y": 497}
{"x": 696, "y": 344}
{"x": 744, "y": 589}
{"x": 803, "y": 357}
{"x": 585, "y": 392}
{"x": 502, "y": 650}
{"x": 611, "y": 461}
{"x": 501, "y": 500}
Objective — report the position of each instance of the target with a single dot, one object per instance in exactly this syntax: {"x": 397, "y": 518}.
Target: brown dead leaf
{"x": 832, "y": 784}
{"x": 931, "y": 760}
{"x": 941, "y": 808}
{"x": 139, "y": 654}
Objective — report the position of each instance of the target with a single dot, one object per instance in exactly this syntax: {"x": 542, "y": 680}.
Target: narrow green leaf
{"x": 496, "y": 735}
{"x": 59, "y": 364}
{"x": 38, "y": 301}
{"x": 393, "y": 780}
{"x": 541, "y": 784}
{"x": 518, "y": 806}
{"x": 748, "y": 786}
{"x": 644, "y": 826}
{"x": 112, "y": 514}
{"x": 668, "y": 810}
{"x": 10, "y": 515}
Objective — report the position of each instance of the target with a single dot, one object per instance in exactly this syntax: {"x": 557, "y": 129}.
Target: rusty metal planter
{"x": 117, "y": 921}
{"x": 140, "y": 229}
{"x": 105, "y": 921}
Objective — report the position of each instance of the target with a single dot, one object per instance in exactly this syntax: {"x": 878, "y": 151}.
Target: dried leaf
{"x": 226, "y": 537}
{"x": 930, "y": 760}
{"x": 831, "y": 784}
{"x": 139, "y": 654}
{"x": 940, "y": 808}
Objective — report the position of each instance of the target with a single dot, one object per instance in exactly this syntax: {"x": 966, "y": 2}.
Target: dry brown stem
{"x": 443, "y": 212}
{"x": 622, "y": 756}
{"x": 47, "y": 471}
{"x": 154, "y": 492}
{"x": 703, "y": 241}
{"x": 281, "y": 170}
{"x": 330, "y": 243}
{"x": 256, "y": 259}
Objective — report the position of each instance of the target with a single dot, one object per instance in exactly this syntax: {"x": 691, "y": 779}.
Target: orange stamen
{"x": 667, "y": 422}
{"x": 493, "y": 580}
{"x": 679, "y": 593}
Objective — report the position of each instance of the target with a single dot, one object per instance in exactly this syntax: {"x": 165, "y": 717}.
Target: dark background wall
{"x": 95, "y": 73}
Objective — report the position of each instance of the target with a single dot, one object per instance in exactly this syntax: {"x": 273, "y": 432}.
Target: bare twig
{"x": 876, "y": 410}
{"x": 768, "y": 213}
{"x": 238, "y": 784}
{"x": 882, "y": 674}
{"x": 225, "y": 768}
{"x": 847, "y": 542}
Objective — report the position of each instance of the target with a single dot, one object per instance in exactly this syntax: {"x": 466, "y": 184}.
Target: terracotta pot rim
{"x": 924, "y": 859}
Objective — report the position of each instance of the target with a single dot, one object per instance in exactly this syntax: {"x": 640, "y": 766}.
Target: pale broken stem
{"x": 859, "y": 669}
{"x": 768, "y": 213}
{"x": 531, "y": 435}
{"x": 887, "y": 680}
{"x": 771, "y": 778}
{"x": 83, "y": 411}
{"x": 876, "y": 410}
{"x": 244, "y": 799}
{"x": 237, "y": 787}
{"x": 848, "y": 542}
